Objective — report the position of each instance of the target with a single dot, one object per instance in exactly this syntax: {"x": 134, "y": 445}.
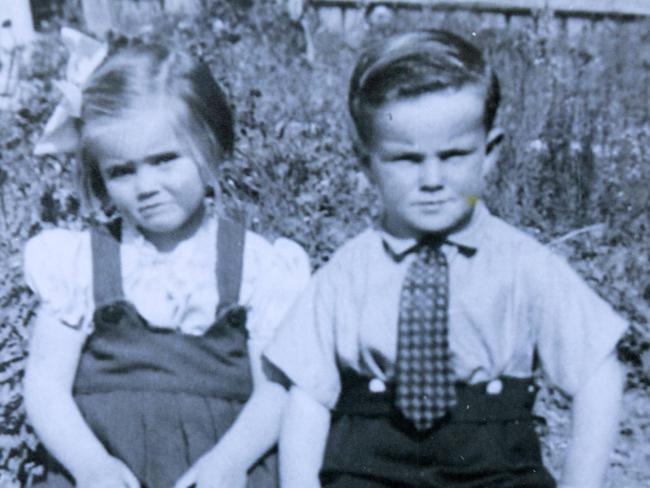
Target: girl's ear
{"x": 492, "y": 149}
{"x": 364, "y": 159}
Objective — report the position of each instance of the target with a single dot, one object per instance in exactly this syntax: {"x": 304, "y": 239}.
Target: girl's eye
{"x": 115, "y": 172}
{"x": 407, "y": 157}
{"x": 164, "y": 158}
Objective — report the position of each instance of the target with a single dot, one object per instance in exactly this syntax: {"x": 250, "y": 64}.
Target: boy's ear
{"x": 492, "y": 149}
{"x": 363, "y": 157}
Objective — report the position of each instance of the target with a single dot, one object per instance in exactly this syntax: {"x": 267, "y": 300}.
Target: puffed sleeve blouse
{"x": 174, "y": 290}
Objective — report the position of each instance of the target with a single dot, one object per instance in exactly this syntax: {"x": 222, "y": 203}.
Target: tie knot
{"x": 430, "y": 250}
{"x": 431, "y": 241}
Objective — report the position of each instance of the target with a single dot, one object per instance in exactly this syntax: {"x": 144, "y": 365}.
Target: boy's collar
{"x": 467, "y": 239}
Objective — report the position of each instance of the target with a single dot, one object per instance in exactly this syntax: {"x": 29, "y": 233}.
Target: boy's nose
{"x": 430, "y": 175}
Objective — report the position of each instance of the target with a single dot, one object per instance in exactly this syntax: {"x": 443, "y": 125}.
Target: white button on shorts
{"x": 494, "y": 387}
{"x": 376, "y": 386}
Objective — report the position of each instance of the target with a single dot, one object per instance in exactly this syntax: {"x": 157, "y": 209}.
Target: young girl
{"x": 144, "y": 366}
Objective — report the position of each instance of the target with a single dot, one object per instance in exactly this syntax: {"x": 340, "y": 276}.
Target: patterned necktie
{"x": 424, "y": 376}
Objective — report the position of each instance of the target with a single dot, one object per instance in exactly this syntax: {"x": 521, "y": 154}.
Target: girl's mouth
{"x": 152, "y": 208}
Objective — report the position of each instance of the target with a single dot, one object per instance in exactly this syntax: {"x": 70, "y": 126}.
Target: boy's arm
{"x": 54, "y": 353}
{"x": 302, "y": 440}
{"x": 252, "y": 434}
{"x": 595, "y": 423}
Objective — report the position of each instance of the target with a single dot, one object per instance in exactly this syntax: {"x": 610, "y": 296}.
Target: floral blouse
{"x": 174, "y": 290}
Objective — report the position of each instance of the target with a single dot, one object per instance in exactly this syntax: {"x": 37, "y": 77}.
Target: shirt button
{"x": 494, "y": 387}
{"x": 376, "y": 386}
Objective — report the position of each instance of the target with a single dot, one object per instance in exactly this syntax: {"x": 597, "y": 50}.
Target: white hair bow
{"x": 86, "y": 54}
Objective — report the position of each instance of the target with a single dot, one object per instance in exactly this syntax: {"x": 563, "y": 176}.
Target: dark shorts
{"x": 487, "y": 440}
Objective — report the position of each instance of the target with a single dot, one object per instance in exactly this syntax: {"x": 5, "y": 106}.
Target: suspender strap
{"x": 230, "y": 256}
{"x": 106, "y": 268}
{"x": 107, "y": 272}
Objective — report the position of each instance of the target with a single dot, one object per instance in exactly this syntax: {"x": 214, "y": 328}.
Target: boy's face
{"x": 428, "y": 157}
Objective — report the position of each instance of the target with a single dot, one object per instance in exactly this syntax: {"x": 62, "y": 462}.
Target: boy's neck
{"x": 463, "y": 234}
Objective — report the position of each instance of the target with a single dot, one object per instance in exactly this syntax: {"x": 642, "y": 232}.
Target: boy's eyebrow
{"x": 399, "y": 147}
{"x": 457, "y": 151}
{"x": 116, "y": 163}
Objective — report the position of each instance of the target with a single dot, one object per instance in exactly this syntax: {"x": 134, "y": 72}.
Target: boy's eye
{"x": 164, "y": 158}
{"x": 455, "y": 153}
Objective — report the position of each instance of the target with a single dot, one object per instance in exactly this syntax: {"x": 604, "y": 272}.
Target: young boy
{"x": 414, "y": 346}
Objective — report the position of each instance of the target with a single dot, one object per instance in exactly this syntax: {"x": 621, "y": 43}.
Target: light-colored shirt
{"x": 508, "y": 296}
{"x": 175, "y": 290}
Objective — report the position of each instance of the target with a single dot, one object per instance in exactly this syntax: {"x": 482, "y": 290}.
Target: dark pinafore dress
{"x": 488, "y": 440}
{"x": 159, "y": 399}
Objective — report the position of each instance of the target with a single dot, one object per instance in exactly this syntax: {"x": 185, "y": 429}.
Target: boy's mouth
{"x": 431, "y": 203}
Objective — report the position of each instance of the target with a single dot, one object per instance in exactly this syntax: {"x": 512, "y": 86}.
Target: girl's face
{"x": 150, "y": 179}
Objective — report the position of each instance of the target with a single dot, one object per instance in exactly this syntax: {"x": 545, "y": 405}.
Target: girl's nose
{"x": 145, "y": 182}
{"x": 430, "y": 175}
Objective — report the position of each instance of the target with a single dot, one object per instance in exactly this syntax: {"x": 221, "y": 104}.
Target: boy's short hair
{"x": 414, "y": 63}
{"x": 135, "y": 77}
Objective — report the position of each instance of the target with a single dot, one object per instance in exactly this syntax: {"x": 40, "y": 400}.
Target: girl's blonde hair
{"x": 136, "y": 76}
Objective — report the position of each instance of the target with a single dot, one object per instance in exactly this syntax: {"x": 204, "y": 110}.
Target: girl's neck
{"x": 166, "y": 242}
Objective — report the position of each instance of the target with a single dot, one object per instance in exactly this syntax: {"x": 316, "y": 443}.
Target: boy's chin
{"x": 440, "y": 226}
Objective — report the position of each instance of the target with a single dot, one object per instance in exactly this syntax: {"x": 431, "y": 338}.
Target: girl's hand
{"x": 213, "y": 470}
{"x": 110, "y": 472}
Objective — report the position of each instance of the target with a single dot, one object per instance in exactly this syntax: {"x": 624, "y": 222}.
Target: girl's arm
{"x": 253, "y": 433}
{"x": 302, "y": 440}
{"x": 595, "y": 423}
{"x": 51, "y": 368}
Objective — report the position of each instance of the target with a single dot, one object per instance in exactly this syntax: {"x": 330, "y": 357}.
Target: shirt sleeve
{"x": 576, "y": 329}
{"x": 57, "y": 267}
{"x": 304, "y": 345}
{"x": 274, "y": 276}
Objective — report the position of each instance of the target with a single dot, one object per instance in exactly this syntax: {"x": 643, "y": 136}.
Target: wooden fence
{"x": 347, "y": 15}
{"x": 563, "y": 7}
{"x": 340, "y": 15}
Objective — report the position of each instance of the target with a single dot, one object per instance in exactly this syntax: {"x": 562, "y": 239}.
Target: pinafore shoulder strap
{"x": 230, "y": 257}
{"x": 107, "y": 270}
{"x": 106, "y": 265}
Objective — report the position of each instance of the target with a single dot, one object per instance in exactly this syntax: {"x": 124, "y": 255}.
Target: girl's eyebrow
{"x": 404, "y": 154}
{"x": 165, "y": 155}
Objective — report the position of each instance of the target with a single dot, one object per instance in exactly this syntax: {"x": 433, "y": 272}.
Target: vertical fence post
{"x": 16, "y": 29}
{"x": 16, "y": 15}
{"x": 97, "y": 15}
{"x": 189, "y": 7}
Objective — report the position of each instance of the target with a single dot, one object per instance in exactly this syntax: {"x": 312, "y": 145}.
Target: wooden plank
{"x": 353, "y": 19}
{"x": 521, "y": 22}
{"x": 331, "y": 18}
{"x": 97, "y": 16}
{"x": 127, "y": 16}
{"x": 573, "y": 7}
{"x": 188, "y": 7}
